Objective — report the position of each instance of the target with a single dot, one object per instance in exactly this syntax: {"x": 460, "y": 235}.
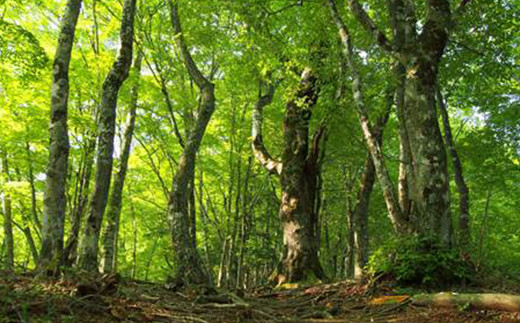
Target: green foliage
{"x": 419, "y": 260}
{"x": 20, "y": 47}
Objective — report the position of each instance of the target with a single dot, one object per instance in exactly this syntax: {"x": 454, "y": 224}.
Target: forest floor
{"x": 25, "y": 298}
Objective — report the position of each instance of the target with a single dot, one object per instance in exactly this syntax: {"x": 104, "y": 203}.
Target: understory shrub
{"x": 419, "y": 260}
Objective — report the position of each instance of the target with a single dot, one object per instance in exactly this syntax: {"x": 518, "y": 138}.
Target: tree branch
{"x": 369, "y": 25}
{"x": 197, "y": 76}
{"x": 259, "y": 149}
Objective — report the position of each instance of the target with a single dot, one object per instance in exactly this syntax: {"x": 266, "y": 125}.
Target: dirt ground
{"x": 25, "y": 298}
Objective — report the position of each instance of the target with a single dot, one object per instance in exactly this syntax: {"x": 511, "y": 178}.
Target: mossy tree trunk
{"x": 189, "y": 267}
{"x": 298, "y": 172}
{"x": 54, "y": 200}
{"x": 116, "y": 197}
{"x": 88, "y": 256}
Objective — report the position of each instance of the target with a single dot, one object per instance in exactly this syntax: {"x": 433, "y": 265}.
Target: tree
{"x": 105, "y": 141}
{"x": 54, "y": 205}
{"x": 114, "y": 207}
{"x": 7, "y": 211}
{"x": 298, "y": 171}
{"x": 189, "y": 268}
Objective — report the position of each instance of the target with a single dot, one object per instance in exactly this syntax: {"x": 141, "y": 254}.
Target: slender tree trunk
{"x": 7, "y": 212}
{"x": 71, "y": 247}
{"x": 189, "y": 267}
{"x": 394, "y": 210}
{"x": 54, "y": 200}
{"x": 361, "y": 209}
{"x": 114, "y": 207}
{"x": 30, "y": 241}
{"x": 88, "y": 257}
{"x": 245, "y": 226}
{"x": 349, "y": 262}
{"x": 483, "y": 231}
{"x": 464, "y": 217}
{"x": 34, "y": 206}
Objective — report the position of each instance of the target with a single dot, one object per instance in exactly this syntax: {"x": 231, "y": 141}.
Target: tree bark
{"x": 359, "y": 219}
{"x": 298, "y": 172}
{"x": 7, "y": 212}
{"x": 70, "y": 252}
{"x": 105, "y": 146}
{"x": 420, "y": 55}
{"x": 399, "y": 222}
{"x": 54, "y": 200}
{"x": 494, "y": 302}
{"x": 114, "y": 207}
{"x": 298, "y": 180}
{"x": 259, "y": 150}
{"x": 189, "y": 268}
{"x": 34, "y": 207}
{"x": 464, "y": 216}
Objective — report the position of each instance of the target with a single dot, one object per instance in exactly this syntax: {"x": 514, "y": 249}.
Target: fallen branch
{"x": 499, "y": 302}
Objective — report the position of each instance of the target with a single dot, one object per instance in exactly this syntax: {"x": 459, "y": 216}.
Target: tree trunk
{"x": 420, "y": 55}
{"x": 114, "y": 207}
{"x": 494, "y": 302}
{"x": 71, "y": 247}
{"x": 399, "y": 222}
{"x": 299, "y": 180}
{"x": 464, "y": 217}
{"x": 7, "y": 212}
{"x": 54, "y": 200}
{"x": 105, "y": 146}
{"x": 245, "y": 226}
{"x": 30, "y": 241}
{"x": 298, "y": 171}
{"x": 34, "y": 207}
{"x": 360, "y": 217}
{"x": 189, "y": 268}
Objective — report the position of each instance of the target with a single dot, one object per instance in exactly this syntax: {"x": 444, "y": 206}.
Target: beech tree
{"x": 105, "y": 140}
{"x": 189, "y": 268}
{"x": 54, "y": 206}
{"x": 298, "y": 171}
{"x": 114, "y": 208}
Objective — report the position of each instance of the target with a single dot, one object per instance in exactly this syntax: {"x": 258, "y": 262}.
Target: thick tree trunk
{"x": 114, "y": 207}
{"x": 54, "y": 200}
{"x": 298, "y": 171}
{"x": 105, "y": 146}
{"x": 420, "y": 56}
{"x": 464, "y": 216}
{"x": 189, "y": 268}
{"x": 298, "y": 180}
{"x": 7, "y": 212}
